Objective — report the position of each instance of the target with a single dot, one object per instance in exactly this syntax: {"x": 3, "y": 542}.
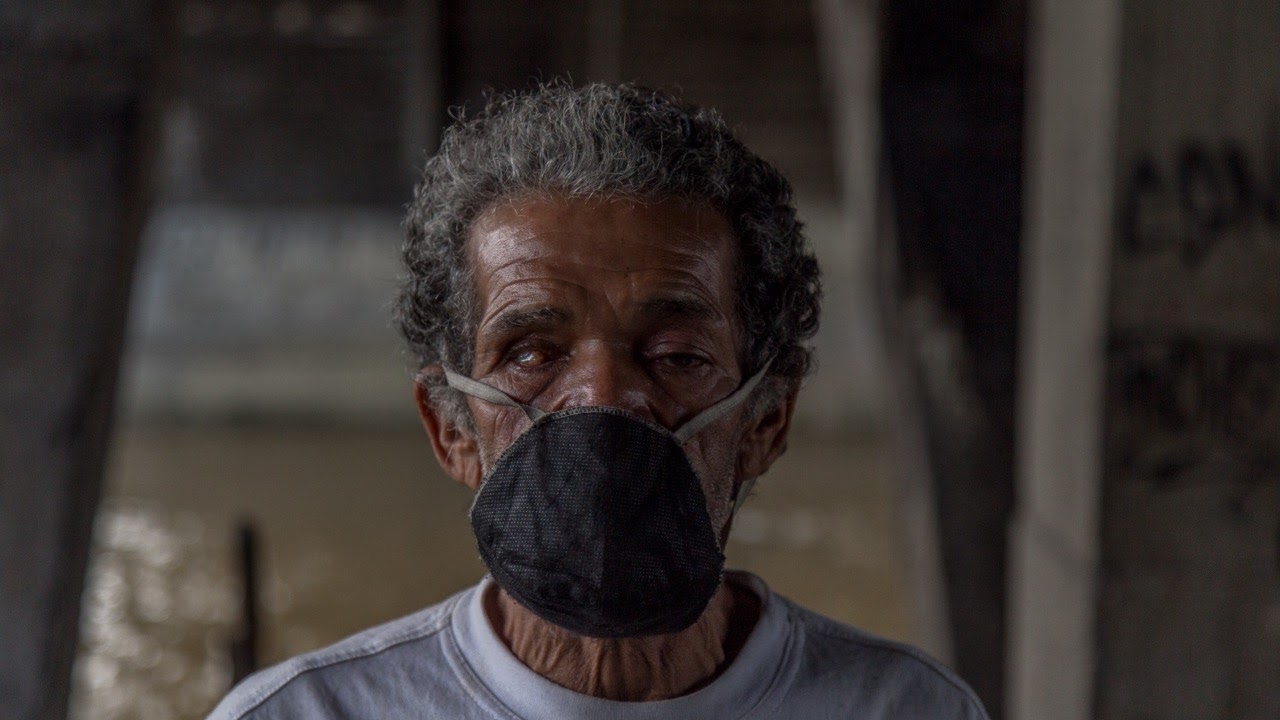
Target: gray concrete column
{"x": 848, "y": 33}
{"x": 1189, "y": 602}
{"x": 1147, "y": 573}
{"x": 72, "y": 126}
{"x": 1071, "y": 101}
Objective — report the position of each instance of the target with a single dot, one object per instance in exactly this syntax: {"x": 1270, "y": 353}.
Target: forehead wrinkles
{"x": 534, "y": 305}
{"x": 691, "y": 248}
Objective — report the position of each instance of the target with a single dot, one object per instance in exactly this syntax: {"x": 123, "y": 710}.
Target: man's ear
{"x": 455, "y": 447}
{"x": 765, "y": 438}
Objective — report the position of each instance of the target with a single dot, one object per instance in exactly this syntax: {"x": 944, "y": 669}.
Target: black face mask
{"x": 595, "y": 520}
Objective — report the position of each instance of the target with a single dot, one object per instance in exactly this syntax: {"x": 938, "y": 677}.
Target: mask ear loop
{"x": 486, "y": 392}
{"x": 489, "y": 393}
{"x": 720, "y": 409}
{"x": 717, "y": 411}
{"x": 743, "y": 491}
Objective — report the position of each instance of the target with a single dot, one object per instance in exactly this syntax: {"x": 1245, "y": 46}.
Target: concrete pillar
{"x": 848, "y": 33}
{"x": 1146, "y": 579}
{"x": 1189, "y": 603}
{"x": 72, "y": 124}
{"x": 424, "y": 87}
{"x": 952, "y": 118}
{"x": 1054, "y": 550}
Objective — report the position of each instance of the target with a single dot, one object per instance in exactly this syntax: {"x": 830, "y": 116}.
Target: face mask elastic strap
{"x": 489, "y": 393}
{"x": 720, "y": 409}
{"x": 743, "y": 491}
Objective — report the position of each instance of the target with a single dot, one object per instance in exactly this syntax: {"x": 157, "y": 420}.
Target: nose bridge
{"x": 607, "y": 374}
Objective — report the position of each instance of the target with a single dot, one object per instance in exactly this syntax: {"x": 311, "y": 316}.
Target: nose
{"x": 610, "y": 377}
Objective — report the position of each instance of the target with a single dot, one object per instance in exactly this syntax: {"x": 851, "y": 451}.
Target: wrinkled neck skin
{"x": 636, "y": 669}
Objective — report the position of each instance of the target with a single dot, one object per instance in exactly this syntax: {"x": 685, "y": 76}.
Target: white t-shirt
{"x": 447, "y": 662}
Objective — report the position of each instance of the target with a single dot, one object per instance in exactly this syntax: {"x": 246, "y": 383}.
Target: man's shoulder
{"x": 351, "y": 671}
{"x": 876, "y": 674}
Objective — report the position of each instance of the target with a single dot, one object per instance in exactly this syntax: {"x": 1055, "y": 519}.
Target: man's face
{"x": 620, "y": 303}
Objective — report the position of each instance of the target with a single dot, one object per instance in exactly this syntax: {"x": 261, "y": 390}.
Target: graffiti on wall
{"x": 1197, "y": 197}
{"x": 1173, "y": 396}
{"x": 1177, "y": 398}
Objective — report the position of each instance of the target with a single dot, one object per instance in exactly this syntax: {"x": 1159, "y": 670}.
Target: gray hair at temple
{"x": 603, "y": 141}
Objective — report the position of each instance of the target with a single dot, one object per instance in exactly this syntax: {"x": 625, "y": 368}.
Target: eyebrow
{"x": 524, "y": 319}
{"x": 682, "y": 307}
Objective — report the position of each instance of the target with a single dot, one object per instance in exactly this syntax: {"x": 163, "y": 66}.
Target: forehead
{"x": 641, "y": 245}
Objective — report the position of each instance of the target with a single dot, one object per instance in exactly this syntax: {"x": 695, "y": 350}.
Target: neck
{"x": 632, "y": 669}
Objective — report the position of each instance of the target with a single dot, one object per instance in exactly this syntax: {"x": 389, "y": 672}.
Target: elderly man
{"x": 608, "y": 299}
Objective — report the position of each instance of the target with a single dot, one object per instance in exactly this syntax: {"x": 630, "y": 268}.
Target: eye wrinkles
{"x": 676, "y": 332}
{"x": 577, "y": 292}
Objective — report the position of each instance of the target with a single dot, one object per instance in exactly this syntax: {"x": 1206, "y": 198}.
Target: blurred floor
{"x": 359, "y": 526}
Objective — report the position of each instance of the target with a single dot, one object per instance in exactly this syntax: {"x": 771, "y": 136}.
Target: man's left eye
{"x": 682, "y": 361}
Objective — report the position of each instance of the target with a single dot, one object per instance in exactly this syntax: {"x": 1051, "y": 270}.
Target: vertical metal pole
{"x": 244, "y": 648}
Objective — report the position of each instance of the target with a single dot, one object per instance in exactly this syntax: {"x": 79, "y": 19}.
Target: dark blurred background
{"x": 1043, "y": 440}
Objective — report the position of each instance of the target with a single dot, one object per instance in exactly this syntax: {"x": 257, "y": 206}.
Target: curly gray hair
{"x": 603, "y": 141}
